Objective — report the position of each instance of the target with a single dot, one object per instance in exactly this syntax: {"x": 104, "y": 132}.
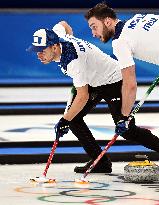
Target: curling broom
{"x": 44, "y": 179}
{"x": 134, "y": 111}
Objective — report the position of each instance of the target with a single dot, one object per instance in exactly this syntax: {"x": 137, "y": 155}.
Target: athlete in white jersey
{"x": 95, "y": 75}
{"x": 136, "y": 38}
{"x": 93, "y": 67}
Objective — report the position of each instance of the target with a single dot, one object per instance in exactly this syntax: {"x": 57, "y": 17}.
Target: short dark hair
{"x": 101, "y": 11}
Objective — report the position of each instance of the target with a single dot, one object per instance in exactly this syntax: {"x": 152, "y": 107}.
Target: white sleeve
{"x": 123, "y": 52}
{"x": 59, "y": 29}
{"x": 77, "y": 71}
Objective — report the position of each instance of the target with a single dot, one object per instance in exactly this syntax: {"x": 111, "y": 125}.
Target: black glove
{"x": 61, "y": 128}
{"x": 122, "y": 125}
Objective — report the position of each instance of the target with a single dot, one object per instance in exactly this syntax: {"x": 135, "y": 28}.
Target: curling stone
{"x": 141, "y": 171}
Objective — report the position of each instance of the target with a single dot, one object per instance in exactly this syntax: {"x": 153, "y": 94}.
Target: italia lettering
{"x": 81, "y": 46}
{"x": 134, "y": 22}
{"x": 79, "y": 43}
{"x": 88, "y": 44}
{"x": 150, "y": 23}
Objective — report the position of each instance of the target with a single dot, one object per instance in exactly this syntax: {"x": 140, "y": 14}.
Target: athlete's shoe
{"x": 105, "y": 167}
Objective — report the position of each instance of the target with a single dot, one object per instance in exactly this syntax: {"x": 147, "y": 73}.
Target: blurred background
{"x": 31, "y": 91}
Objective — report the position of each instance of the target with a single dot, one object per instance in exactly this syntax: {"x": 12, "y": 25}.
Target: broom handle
{"x": 56, "y": 141}
{"x": 50, "y": 157}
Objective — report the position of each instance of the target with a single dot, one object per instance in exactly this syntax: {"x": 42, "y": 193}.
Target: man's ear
{"x": 107, "y": 21}
{"x": 55, "y": 46}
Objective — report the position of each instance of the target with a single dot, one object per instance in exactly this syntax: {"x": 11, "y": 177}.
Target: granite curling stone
{"x": 141, "y": 172}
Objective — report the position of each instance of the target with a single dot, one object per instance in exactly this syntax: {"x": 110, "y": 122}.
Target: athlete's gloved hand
{"x": 122, "y": 125}
{"x": 61, "y": 128}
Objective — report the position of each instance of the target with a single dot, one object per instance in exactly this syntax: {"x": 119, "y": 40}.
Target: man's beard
{"x": 106, "y": 34}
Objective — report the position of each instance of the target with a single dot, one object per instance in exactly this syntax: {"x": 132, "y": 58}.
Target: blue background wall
{"x": 19, "y": 66}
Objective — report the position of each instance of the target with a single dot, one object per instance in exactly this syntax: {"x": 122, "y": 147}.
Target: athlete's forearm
{"x": 128, "y": 98}
{"x": 129, "y": 88}
{"x": 77, "y": 105}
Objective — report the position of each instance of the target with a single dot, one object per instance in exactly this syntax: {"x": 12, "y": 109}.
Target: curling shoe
{"x": 105, "y": 167}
